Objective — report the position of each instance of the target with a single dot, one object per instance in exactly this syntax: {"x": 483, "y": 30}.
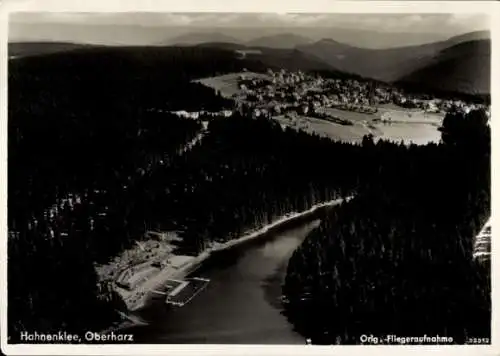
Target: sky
{"x": 390, "y": 22}
{"x": 147, "y": 28}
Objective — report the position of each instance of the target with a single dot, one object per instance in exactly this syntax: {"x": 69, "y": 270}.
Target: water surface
{"x": 241, "y": 303}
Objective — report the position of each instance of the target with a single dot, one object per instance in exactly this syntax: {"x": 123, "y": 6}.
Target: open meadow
{"x": 324, "y": 128}
{"x": 227, "y": 84}
{"x": 409, "y": 126}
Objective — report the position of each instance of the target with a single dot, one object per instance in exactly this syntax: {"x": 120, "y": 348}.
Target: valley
{"x": 273, "y": 187}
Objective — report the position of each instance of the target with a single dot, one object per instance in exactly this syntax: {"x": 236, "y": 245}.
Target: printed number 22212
{"x": 478, "y": 341}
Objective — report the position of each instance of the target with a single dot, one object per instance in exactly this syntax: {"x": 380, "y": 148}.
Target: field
{"x": 228, "y": 84}
{"x": 411, "y": 116}
{"x": 396, "y": 114}
{"x": 324, "y": 128}
{"x": 419, "y": 134}
{"x": 351, "y": 115}
{"x": 409, "y": 126}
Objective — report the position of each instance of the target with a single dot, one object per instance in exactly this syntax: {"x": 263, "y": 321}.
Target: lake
{"x": 240, "y": 305}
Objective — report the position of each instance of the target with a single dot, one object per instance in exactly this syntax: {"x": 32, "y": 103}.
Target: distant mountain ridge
{"x": 285, "y": 40}
{"x": 132, "y": 35}
{"x": 222, "y": 45}
{"x": 382, "y": 64}
{"x": 470, "y": 36}
{"x": 196, "y": 38}
{"x": 420, "y": 65}
{"x": 281, "y": 41}
{"x": 26, "y": 49}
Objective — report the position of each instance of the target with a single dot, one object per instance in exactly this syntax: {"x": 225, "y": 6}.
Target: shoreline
{"x": 160, "y": 279}
{"x": 287, "y": 218}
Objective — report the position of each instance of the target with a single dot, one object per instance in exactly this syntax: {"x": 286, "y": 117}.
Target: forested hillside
{"x": 80, "y": 138}
{"x": 67, "y": 181}
{"x": 245, "y": 173}
{"x": 398, "y": 258}
{"x": 463, "y": 68}
{"x": 461, "y": 63}
{"x": 91, "y": 168}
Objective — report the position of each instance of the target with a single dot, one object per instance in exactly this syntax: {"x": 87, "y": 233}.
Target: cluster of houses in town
{"x": 282, "y": 91}
{"x": 285, "y": 92}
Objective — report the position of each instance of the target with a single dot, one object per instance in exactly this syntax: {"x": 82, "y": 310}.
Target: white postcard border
{"x": 273, "y": 6}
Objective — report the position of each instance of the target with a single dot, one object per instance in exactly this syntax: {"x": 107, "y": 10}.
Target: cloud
{"x": 102, "y": 18}
{"x": 293, "y": 19}
{"x": 379, "y": 22}
{"x": 471, "y": 20}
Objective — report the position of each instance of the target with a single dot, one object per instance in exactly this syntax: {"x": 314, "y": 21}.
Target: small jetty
{"x": 185, "y": 291}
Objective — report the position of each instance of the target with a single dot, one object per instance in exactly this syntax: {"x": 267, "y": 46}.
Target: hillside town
{"x": 283, "y": 91}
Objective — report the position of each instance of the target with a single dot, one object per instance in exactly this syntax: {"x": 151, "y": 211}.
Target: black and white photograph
{"x": 248, "y": 178}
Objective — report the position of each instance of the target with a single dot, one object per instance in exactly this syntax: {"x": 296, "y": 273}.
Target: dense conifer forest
{"x": 397, "y": 259}
{"x": 81, "y": 136}
{"x": 244, "y": 174}
{"x": 91, "y": 169}
{"x": 66, "y": 183}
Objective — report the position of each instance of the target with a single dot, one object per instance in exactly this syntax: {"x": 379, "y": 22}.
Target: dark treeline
{"x": 80, "y": 138}
{"x": 244, "y": 174}
{"x": 118, "y": 80}
{"x": 91, "y": 169}
{"x": 52, "y": 155}
{"x": 398, "y": 258}
{"x": 68, "y": 182}
{"x": 24, "y": 49}
{"x": 76, "y": 148}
